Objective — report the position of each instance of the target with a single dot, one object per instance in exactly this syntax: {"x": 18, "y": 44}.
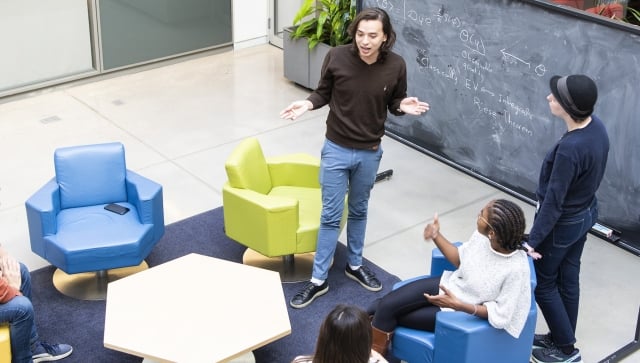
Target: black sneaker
{"x": 543, "y": 341}
{"x": 555, "y": 355}
{"x": 43, "y": 352}
{"x": 365, "y": 277}
{"x": 307, "y": 294}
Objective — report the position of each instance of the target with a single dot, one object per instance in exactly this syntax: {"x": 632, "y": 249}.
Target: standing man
{"x": 359, "y": 82}
{"x": 17, "y": 311}
{"x": 566, "y": 210}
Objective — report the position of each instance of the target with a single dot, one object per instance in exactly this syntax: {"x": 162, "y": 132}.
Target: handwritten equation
{"x": 473, "y": 66}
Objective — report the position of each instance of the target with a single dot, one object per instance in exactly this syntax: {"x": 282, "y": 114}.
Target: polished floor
{"x": 179, "y": 122}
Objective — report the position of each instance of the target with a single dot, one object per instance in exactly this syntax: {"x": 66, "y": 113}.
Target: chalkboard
{"x": 484, "y": 67}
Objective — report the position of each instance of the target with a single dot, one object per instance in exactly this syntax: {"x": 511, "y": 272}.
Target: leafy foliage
{"x": 324, "y": 21}
{"x": 633, "y": 16}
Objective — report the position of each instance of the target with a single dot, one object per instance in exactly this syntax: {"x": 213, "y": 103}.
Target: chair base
{"x": 91, "y": 285}
{"x": 292, "y": 268}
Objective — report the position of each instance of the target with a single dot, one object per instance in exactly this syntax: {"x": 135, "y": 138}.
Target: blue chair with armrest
{"x": 70, "y": 228}
{"x": 463, "y": 338}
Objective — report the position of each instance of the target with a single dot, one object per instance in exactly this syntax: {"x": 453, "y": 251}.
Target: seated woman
{"x": 492, "y": 279}
{"x": 345, "y": 337}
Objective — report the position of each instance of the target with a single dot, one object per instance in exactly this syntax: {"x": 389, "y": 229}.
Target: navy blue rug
{"x": 81, "y": 323}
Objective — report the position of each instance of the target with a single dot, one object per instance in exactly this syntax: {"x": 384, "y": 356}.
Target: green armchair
{"x": 272, "y": 206}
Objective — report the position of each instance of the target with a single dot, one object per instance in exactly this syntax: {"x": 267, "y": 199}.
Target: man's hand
{"x": 412, "y": 106}
{"x": 296, "y": 109}
{"x": 11, "y": 271}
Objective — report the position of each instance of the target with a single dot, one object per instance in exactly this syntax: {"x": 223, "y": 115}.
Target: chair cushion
{"x": 93, "y": 239}
{"x": 247, "y": 168}
{"x": 91, "y": 174}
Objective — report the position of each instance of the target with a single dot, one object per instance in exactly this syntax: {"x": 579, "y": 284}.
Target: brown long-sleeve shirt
{"x": 359, "y": 95}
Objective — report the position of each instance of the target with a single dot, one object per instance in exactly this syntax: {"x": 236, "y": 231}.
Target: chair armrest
{"x": 301, "y": 170}
{"x": 267, "y": 224}
{"x": 404, "y": 282}
{"x": 461, "y": 337}
{"x": 458, "y": 336}
{"x": 146, "y": 196}
{"x": 42, "y": 210}
{"x": 439, "y": 263}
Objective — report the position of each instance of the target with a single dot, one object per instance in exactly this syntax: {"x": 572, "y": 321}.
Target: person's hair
{"x": 345, "y": 336}
{"x": 387, "y": 29}
{"x": 508, "y": 222}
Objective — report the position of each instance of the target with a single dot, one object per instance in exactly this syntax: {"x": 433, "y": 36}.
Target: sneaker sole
{"x": 374, "y": 289}
{"x": 534, "y": 360}
{"x": 52, "y": 358}
{"x": 318, "y": 294}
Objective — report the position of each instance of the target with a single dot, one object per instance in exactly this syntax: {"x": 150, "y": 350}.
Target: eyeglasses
{"x": 480, "y": 217}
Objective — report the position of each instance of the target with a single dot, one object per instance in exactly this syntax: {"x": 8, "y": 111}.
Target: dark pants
{"x": 407, "y": 306}
{"x": 558, "y": 272}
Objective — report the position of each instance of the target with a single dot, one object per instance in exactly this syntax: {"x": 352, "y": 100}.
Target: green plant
{"x": 633, "y": 16}
{"x": 324, "y": 21}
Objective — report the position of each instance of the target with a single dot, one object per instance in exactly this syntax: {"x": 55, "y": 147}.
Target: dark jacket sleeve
{"x": 322, "y": 94}
{"x": 562, "y": 175}
{"x": 400, "y": 92}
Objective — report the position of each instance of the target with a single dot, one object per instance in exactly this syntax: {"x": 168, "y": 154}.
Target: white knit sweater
{"x": 501, "y": 282}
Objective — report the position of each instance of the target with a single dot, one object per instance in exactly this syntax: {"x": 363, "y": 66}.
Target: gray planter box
{"x": 316, "y": 58}
{"x": 296, "y": 59}
{"x": 302, "y": 65}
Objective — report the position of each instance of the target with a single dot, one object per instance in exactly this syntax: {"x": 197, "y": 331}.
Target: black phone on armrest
{"x": 115, "y": 208}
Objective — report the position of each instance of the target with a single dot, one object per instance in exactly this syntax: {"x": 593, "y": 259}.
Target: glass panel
{"x": 285, "y": 12}
{"x": 282, "y": 15}
{"x": 43, "y": 40}
{"x": 137, "y": 31}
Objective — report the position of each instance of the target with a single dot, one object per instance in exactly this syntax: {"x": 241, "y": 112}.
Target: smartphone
{"x": 115, "y": 208}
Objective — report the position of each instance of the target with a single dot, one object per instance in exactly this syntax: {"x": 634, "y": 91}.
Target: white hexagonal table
{"x": 195, "y": 309}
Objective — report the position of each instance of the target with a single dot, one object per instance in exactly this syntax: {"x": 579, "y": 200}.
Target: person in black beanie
{"x": 565, "y": 212}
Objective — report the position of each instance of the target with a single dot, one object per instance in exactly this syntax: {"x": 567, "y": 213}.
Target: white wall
{"x": 250, "y": 22}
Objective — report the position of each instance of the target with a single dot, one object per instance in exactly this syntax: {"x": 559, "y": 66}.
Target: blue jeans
{"x": 18, "y": 312}
{"x": 558, "y": 272}
{"x": 344, "y": 170}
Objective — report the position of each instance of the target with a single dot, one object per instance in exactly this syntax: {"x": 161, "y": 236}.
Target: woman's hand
{"x": 296, "y": 109}
{"x": 432, "y": 229}
{"x": 446, "y": 300}
{"x": 412, "y": 106}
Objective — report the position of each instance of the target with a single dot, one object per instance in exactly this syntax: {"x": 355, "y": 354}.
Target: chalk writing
{"x": 472, "y": 42}
{"x": 418, "y": 18}
{"x": 519, "y": 109}
{"x": 516, "y": 126}
{"x": 539, "y": 70}
{"x": 425, "y": 66}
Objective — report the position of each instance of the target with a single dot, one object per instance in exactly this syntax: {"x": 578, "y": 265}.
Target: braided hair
{"x": 508, "y": 222}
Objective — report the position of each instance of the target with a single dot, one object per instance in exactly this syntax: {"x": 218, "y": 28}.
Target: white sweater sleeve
{"x": 510, "y": 309}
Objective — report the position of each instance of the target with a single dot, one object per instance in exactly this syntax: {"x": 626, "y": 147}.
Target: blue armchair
{"x": 463, "y": 338}
{"x": 69, "y": 227}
